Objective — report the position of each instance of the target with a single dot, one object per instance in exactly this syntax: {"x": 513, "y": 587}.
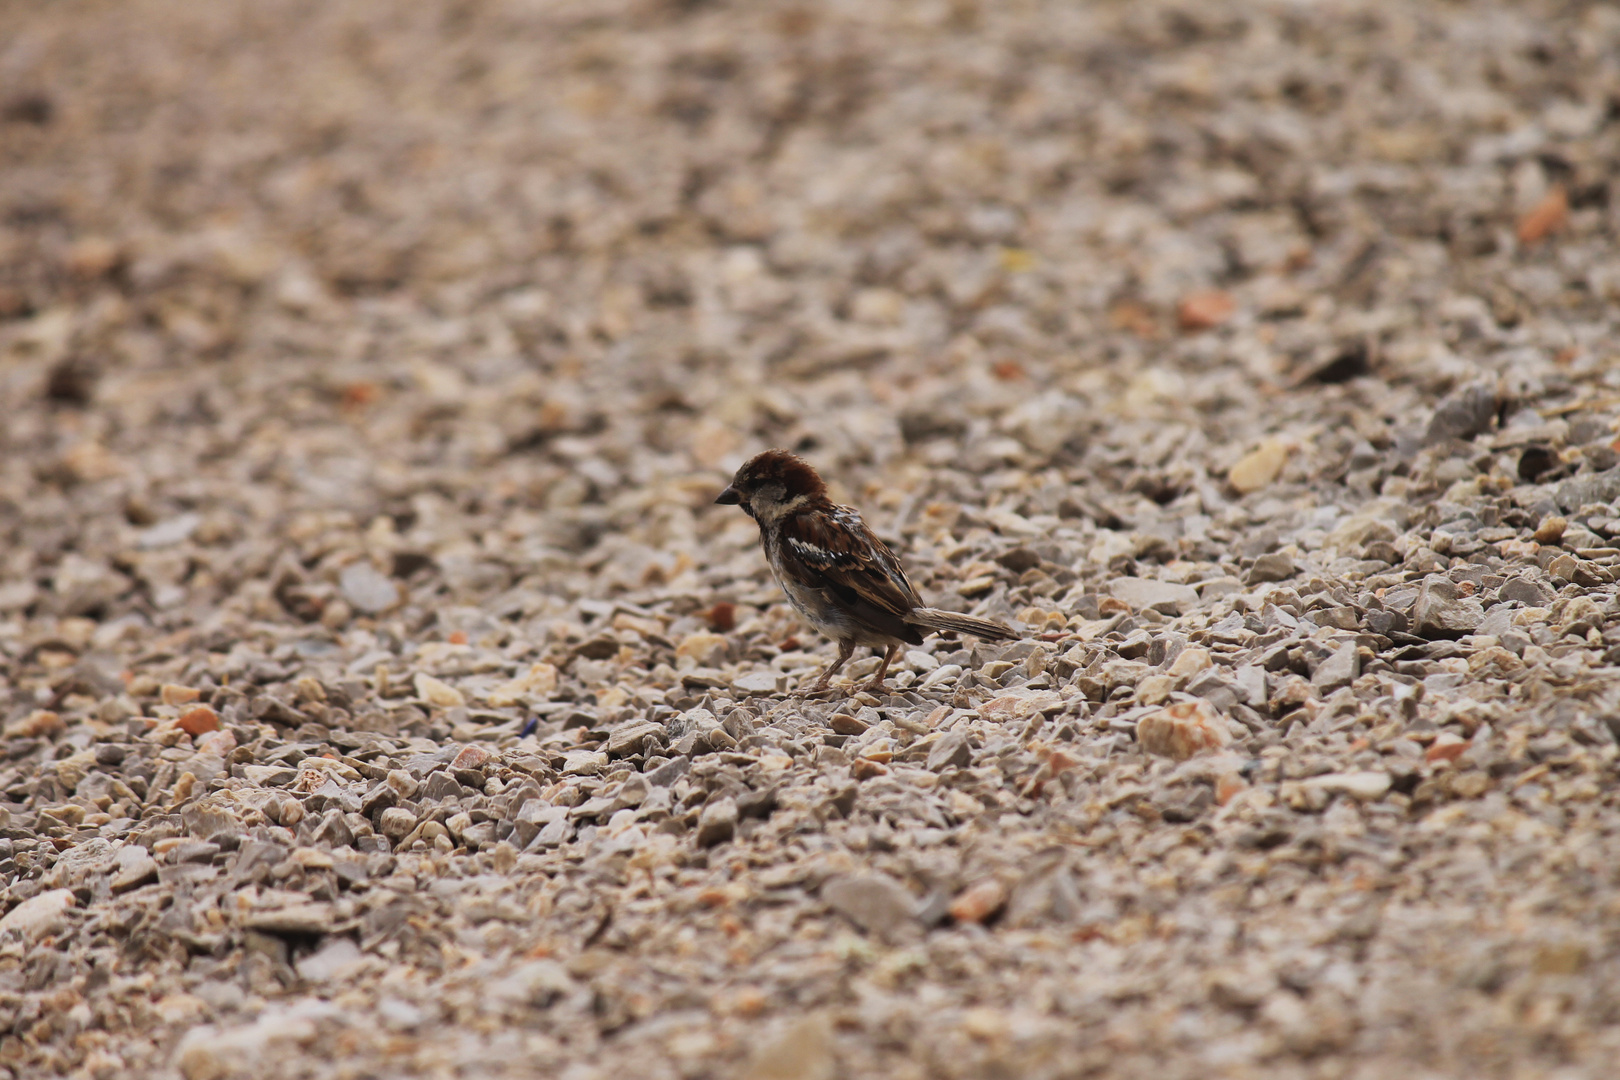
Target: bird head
{"x": 772, "y": 484}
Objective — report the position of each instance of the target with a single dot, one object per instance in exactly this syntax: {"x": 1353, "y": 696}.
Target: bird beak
{"x": 729, "y": 497}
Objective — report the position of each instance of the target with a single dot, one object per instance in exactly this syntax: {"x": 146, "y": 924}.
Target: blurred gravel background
{"x": 366, "y": 375}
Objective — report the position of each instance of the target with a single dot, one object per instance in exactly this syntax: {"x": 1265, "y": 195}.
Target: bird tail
{"x": 984, "y": 629}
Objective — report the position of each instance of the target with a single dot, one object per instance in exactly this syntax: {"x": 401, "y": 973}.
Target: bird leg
{"x": 883, "y": 669}
{"x": 846, "y": 649}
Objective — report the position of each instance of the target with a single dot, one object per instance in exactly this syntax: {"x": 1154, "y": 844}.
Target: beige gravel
{"x": 383, "y": 696}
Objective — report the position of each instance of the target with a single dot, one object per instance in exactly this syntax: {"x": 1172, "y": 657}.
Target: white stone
{"x": 168, "y": 533}
{"x": 1142, "y": 593}
{"x": 438, "y": 693}
{"x": 331, "y": 960}
{"x": 37, "y": 917}
{"x": 1366, "y": 784}
{"x": 366, "y": 589}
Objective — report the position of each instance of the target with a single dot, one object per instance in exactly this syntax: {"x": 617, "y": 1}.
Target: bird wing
{"x": 846, "y": 557}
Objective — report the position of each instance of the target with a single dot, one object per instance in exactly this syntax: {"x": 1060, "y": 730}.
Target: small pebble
{"x": 979, "y": 901}
{"x": 366, "y": 590}
{"x": 1182, "y": 730}
{"x": 1259, "y": 468}
{"x": 172, "y": 694}
{"x": 438, "y": 693}
{"x": 198, "y": 720}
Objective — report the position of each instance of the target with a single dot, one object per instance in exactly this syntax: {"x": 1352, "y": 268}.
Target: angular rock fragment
{"x": 396, "y": 823}
{"x": 135, "y": 867}
{"x": 1467, "y": 411}
{"x": 1166, "y": 596}
{"x": 1440, "y": 611}
{"x": 717, "y": 823}
{"x": 366, "y": 590}
{"x": 629, "y": 737}
{"x": 39, "y": 915}
{"x": 1602, "y": 487}
{"x": 875, "y": 903}
{"x": 1339, "y": 669}
{"x": 1275, "y": 566}
{"x": 951, "y": 750}
{"x": 1182, "y": 730}
{"x": 312, "y": 917}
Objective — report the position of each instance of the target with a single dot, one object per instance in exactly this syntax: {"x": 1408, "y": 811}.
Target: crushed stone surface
{"x": 382, "y": 694}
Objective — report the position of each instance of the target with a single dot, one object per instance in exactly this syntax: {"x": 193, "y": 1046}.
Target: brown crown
{"x": 791, "y": 471}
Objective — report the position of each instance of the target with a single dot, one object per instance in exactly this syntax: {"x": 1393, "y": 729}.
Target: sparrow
{"x": 835, "y": 571}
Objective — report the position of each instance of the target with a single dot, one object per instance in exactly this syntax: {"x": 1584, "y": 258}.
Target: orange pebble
{"x": 199, "y": 720}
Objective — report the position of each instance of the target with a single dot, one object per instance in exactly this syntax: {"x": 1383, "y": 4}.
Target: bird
{"x": 833, "y": 568}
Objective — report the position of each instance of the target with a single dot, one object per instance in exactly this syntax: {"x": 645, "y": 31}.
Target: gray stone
{"x": 760, "y": 803}
{"x": 1276, "y": 566}
{"x": 669, "y": 772}
{"x": 657, "y": 805}
{"x": 92, "y": 859}
{"x": 536, "y": 983}
{"x": 265, "y": 775}
{"x": 631, "y": 793}
{"x": 1215, "y": 686}
{"x": 440, "y": 786}
{"x": 590, "y": 809}
{"x": 1498, "y": 621}
{"x": 584, "y": 762}
{"x": 135, "y": 867}
{"x": 379, "y": 798}
{"x": 1250, "y": 683}
{"x": 759, "y": 682}
{"x": 1524, "y": 591}
{"x": 1048, "y": 893}
{"x": 400, "y": 1015}
{"x": 953, "y": 749}
{"x": 628, "y": 737}
{"x": 1215, "y": 588}
{"x": 333, "y": 830}
{"x": 717, "y": 823}
{"x": 1467, "y": 411}
{"x": 532, "y": 817}
{"x": 1165, "y": 596}
{"x": 1339, "y": 669}
{"x": 875, "y": 903}
{"x": 1438, "y": 612}
{"x": 1579, "y": 491}
{"x": 330, "y": 794}
{"x": 553, "y": 835}
{"x": 478, "y": 835}
{"x": 312, "y": 917}
{"x": 1364, "y": 785}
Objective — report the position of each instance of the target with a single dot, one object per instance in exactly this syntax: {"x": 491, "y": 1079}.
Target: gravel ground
{"x": 383, "y": 696}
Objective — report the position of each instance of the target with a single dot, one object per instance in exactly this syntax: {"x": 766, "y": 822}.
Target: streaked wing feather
{"x": 851, "y": 559}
